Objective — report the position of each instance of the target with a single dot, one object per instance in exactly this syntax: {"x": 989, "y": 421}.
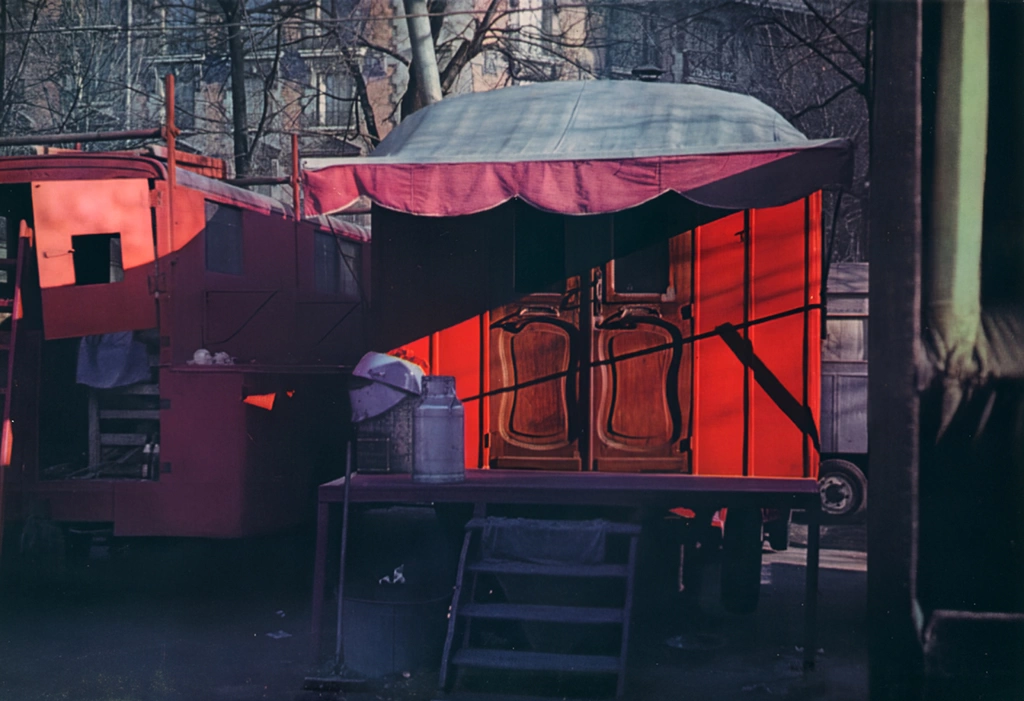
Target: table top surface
{"x": 598, "y": 488}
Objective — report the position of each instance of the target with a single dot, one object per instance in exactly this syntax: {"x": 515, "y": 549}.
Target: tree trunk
{"x": 423, "y": 74}
{"x": 364, "y": 98}
{"x": 239, "y": 110}
{"x": 3, "y": 61}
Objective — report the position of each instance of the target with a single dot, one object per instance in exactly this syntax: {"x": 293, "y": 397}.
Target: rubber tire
{"x": 777, "y": 532}
{"x": 845, "y": 476}
{"x": 741, "y": 560}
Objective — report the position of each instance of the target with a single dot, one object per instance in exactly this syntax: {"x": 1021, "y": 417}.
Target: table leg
{"x": 323, "y": 514}
{"x": 811, "y": 587}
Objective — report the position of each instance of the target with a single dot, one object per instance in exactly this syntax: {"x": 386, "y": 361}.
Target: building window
{"x": 97, "y": 259}
{"x": 255, "y": 93}
{"x": 491, "y": 63}
{"x": 178, "y": 29}
{"x": 223, "y": 239}
{"x": 707, "y": 54}
{"x": 333, "y": 99}
{"x": 336, "y": 265}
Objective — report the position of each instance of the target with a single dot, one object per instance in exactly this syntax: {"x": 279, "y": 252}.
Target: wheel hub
{"x": 836, "y": 494}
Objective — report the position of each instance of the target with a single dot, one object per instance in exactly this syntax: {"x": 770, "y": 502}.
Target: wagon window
{"x": 847, "y": 340}
{"x": 223, "y": 239}
{"x": 642, "y": 272}
{"x": 336, "y": 265}
{"x": 97, "y": 259}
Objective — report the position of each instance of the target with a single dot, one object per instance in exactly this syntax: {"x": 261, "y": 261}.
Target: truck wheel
{"x": 741, "y": 560}
{"x": 776, "y": 531}
{"x": 844, "y": 490}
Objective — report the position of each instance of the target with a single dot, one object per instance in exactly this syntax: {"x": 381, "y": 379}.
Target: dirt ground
{"x": 152, "y": 620}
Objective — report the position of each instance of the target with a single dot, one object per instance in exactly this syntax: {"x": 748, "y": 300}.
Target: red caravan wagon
{"x": 624, "y": 278}
{"x": 108, "y": 244}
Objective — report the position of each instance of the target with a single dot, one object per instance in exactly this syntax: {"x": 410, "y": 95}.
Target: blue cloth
{"x": 112, "y": 360}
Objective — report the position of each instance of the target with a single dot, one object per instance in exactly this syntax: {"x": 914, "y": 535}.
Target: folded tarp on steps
{"x": 112, "y": 360}
{"x": 544, "y": 542}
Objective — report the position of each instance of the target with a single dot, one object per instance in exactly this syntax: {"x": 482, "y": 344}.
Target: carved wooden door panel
{"x": 535, "y": 411}
{"x": 642, "y": 374}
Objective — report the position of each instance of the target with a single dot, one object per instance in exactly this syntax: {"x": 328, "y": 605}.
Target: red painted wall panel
{"x": 784, "y": 265}
{"x": 719, "y": 294}
{"x": 458, "y": 353}
{"x": 235, "y": 469}
{"x": 778, "y": 246}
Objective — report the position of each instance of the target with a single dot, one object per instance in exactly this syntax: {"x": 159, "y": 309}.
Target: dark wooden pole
{"x": 895, "y": 298}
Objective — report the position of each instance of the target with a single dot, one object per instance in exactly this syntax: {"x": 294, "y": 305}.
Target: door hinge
{"x": 487, "y": 439}
{"x": 156, "y": 198}
{"x": 686, "y": 311}
{"x": 684, "y": 445}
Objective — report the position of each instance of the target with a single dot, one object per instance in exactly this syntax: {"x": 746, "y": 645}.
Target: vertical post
{"x": 895, "y": 299}
{"x": 323, "y": 519}
{"x": 695, "y": 300}
{"x": 296, "y": 199}
{"x": 339, "y": 642}
{"x": 129, "y": 11}
{"x": 485, "y": 387}
{"x": 170, "y": 136}
{"x": 588, "y": 300}
{"x": 813, "y": 512}
{"x": 435, "y": 353}
{"x": 747, "y": 234}
{"x": 805, "y": 447}
{"x": 95, "y": 448}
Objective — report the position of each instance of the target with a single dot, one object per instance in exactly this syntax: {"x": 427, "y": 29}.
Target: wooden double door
{"x": 596, "y": 374}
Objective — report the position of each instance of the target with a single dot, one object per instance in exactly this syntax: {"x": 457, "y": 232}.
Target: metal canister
{"x": 438, "y": 433}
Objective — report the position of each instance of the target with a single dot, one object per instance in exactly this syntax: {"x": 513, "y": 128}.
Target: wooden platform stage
{"x": 645, "y": 491}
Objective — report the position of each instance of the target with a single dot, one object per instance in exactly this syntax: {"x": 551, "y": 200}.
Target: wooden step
{"x": 148, "y": 414}
{"x": 492, "y": 696}
{"x": 477, "y": 524}
{"x": 148, "y": 389}
{"x": 535, "y": 661}
{"x": 123, "y": 439}
{"x": 534, "y": 569}
{"x": 537, "y": 612}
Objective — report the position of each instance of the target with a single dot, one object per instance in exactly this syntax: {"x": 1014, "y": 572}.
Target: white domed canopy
{"x": 585, "y": 147}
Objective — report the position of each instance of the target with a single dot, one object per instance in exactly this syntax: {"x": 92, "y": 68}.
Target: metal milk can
{"x": 438, "y": 433}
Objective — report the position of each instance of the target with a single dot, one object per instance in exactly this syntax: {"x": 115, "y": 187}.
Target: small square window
{"x": 223, "y": 239}
{"x": 336, "y": 264}
{"x": 97, "y": 259}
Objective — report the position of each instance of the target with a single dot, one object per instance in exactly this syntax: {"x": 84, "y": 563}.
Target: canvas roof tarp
{"x": 483, "y": 198}
{"x": 586, "y": 147}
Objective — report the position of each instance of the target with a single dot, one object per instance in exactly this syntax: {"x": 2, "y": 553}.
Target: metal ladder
{"x": 467, "y": 611}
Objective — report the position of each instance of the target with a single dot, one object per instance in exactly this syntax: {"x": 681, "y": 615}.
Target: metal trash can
{"x": 384, "y": 393}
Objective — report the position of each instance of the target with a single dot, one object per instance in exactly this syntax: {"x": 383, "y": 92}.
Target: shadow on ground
{"x": 162, "y": 620}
